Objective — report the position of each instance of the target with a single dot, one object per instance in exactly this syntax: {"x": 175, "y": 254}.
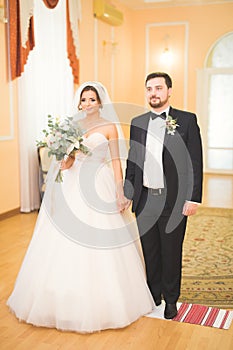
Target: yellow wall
{"x": 117, "y": 57}
{"x": 9, "y": 157}
{"x": 104, "y": 47}
{"x": 206, "y": 25}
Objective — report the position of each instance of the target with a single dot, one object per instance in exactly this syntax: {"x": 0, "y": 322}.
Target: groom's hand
{"x": 190, "y": 208}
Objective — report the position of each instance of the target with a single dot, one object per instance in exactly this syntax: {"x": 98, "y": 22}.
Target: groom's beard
{"x": 159, "y": 103}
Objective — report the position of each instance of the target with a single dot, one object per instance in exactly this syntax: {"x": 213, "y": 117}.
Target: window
{"x": 219, "y": 133}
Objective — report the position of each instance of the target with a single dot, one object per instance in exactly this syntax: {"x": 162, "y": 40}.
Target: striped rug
{"x": 198, "y": 314}
{"x": 204, "y": 316}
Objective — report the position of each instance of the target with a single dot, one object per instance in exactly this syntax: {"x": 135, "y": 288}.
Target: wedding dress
{"x": 83, "y": 270}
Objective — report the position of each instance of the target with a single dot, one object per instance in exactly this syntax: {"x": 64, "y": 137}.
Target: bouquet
{"x": 62, "y": 139}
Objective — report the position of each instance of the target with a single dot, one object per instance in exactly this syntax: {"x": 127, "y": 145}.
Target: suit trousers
{"x": 162, "y": 250}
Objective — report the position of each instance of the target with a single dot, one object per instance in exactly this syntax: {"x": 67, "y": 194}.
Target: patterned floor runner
{"x": 198, "y": 314}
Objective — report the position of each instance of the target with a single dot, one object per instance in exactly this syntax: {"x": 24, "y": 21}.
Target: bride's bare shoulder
{"x": 110, "y": 130}
{"x": 109, "y": 125}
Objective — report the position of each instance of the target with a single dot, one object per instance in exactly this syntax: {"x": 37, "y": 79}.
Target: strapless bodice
{"x": 97, "y": 143}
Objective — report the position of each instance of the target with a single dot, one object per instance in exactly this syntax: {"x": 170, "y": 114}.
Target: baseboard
{"x": 9, "y": 213}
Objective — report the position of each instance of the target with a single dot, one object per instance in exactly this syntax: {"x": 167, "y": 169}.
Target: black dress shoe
{"x": 170, "y": 311}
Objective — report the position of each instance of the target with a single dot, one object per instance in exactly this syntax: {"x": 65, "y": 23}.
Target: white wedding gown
{"x": 83, "y": 270}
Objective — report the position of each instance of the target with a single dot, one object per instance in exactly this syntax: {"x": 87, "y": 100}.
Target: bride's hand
{"x": 123, "y": 203}
{"x": 67, "y": 163}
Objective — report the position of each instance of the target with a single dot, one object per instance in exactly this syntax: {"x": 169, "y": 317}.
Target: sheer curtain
{"x": 45, "y": 87}
{"x": 214, "y": 106}
{"x": 220, "y": 148}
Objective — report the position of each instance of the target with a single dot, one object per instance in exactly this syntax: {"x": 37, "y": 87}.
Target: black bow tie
{"x": 154, "y": 116}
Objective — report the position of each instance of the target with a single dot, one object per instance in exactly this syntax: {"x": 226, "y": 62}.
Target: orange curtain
{"x": 18, "y": 54}
{"x": 74, "y": 61}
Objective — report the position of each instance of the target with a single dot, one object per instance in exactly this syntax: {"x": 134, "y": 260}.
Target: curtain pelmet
{"x": 18, "y": 54}
{"x": 51, "y": 3}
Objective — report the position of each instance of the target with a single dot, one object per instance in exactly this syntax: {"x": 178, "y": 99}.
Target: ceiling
{"x": 143, "y": 4}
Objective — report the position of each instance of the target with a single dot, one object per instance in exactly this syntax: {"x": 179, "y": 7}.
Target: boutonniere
{"x": 171, "y": 125}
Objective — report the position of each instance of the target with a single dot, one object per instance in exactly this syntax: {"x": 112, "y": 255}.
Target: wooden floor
{"x": 145, "y": 334}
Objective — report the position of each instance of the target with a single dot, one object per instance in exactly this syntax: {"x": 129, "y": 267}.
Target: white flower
{"x": 51, "y": 139}
{"x": 58, "y": 135}
{"x": 73, "y": 146}
{"x": 65, "y": 126}
{"x": 77, "y": 145}
{"x": 70, "y": 149}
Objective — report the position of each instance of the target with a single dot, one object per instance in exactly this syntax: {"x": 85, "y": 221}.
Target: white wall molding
{"x": 95, "y": 49}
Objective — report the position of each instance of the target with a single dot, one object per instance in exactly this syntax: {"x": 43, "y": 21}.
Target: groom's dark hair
{"x": 167, "y": 78}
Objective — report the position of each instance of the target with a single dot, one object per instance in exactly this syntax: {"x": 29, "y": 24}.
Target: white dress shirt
{"x": 153, "y": 165}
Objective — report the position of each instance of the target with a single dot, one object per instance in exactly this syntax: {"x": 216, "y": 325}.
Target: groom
{"x": 164, "y": 181}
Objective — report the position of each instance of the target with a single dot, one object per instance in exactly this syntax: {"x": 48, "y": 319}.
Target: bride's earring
{"x": 80, "y": 107}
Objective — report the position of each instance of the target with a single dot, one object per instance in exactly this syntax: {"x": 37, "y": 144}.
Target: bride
{"x": 84, "y": 270}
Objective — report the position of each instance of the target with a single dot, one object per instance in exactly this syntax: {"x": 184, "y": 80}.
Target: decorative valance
{"x": 51, "y": 3}
{"x": 21, "y": 33}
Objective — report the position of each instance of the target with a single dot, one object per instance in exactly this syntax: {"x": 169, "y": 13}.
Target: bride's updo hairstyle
{"x": 89, "y": 88}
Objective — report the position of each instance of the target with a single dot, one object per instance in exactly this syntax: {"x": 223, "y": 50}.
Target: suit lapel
{"x": 144, "y": 126}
